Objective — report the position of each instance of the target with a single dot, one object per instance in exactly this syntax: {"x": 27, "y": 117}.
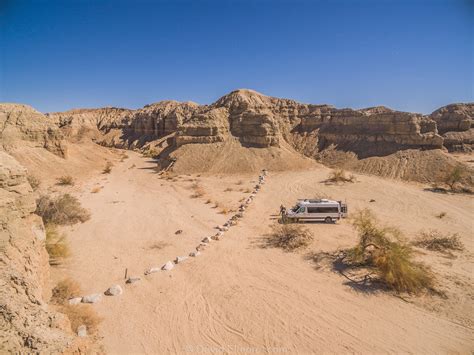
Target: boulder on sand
{"x": 168, "y": 266}
{"x": 152, "y": 270}
{"x": 180, "y": 259}
{"x": 75, "y": 300}
{"x": 94, "y": 298}
{"x": 195, "y": 253}
{"x": 82, "y": 331}
{"x": 114, "y": 290}
{"x": 131, "y": 280}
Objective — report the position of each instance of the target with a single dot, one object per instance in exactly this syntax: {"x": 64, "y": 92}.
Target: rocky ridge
{"x": 256, "y": 120}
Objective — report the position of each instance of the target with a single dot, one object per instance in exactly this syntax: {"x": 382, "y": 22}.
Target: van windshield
{"x": 295, "y": 208}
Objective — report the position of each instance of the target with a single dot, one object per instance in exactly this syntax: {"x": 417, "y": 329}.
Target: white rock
{"x": 206, "y": 240}
{"x": 94, "y": 298}
{"x": 131, "y": 280}
{"x": 82, "y": 331}
{"x": 216, "y": 237}
{"x": 75, "y": 300}
{"x": 180, "y": 259}
{"x": 168, "y": 266}
{"x": 152, "y": 270}
{"x": 194, "y": 253}
{"x": 114, "y": 290}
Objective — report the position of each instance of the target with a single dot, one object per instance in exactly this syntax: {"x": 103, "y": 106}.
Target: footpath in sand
{"x": 239, "y": 297}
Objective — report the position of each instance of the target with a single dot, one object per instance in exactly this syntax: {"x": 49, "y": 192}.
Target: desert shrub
{"x": 224, "y": 210}
{"x": 198, "y": 190}
{"x": 441, "y": 215}
{"x": 455, "y": 176}
{"x": 437, "y": 241}
{"x": 65, "y": 180}
{"x": 158, "y": 245}
{"x": 339, "y": 175}
{"x": 34, "y": 182}
{"x": 65, "y": 290}
{"x": 63, "y": 210}
{"x": 290, "y": 237}
{"x": 384, "y": 250}
{"x": 81, "y": 314}
{"x": 107, "y": 168}
{"x": 56, "y": 245}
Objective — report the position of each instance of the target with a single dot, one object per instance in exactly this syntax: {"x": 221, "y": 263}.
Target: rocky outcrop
{"x": 256, "y": 120}
{"x": 27, "y": 324}
{"x": 21, "y": 125}
{"x": 455, "y": 123}
{"x": 74, "y": 122}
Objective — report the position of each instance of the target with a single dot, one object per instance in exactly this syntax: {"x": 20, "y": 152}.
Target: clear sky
{"x": 408, "y": 55}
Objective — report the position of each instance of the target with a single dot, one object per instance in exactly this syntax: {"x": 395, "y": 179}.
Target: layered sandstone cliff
{"x": 455, "y": 123}
{"x": 21, "y": 125}
{"x": 27, "y": 324}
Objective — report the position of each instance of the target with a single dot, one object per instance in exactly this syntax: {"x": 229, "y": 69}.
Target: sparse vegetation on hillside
{"x": 107, "y": 168}
{"x": 65, "y": 180}
{"x": 383, "y": 250}
{"x": 340, "y": 175}
{"x": 63, "y": 210}
{"x": 437, "y": 241}
{"x": 290, "y": 237}
{"x": 34, "y": 182}
{"x": 56, "y": 245}
{"x": 455, "y": 176}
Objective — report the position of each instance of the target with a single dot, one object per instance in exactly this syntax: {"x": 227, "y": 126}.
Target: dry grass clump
{"x": 441, "y": 215}
{"x": 56, "y": 245}
{"x": 158, "y": 245}
{"x": 80, "y": 314}
{"x": 225, "y": 210}
{"x": 198, "y": 190}
{"x": 391, "y": 259}
{"x": 229, "y": 189}
{"x": 208, "y": 201}
{"x": 107, "y": 168}
{"x": 65, "y": 290}
{"x": 240, "y": 182}
{"x": 34, "y": 181}
{"x": 436, "y": 241}
{"x": 290, "y": 237}
{"x": 66, "y": 180}
{"x": 123, "y": 157}
{"x": 96, "y": 189}
{"x": 247, "y": 191}
{"x": 150, "y": 153}
{"x": 63, "y": 210}
{"x": 339, "y": 175}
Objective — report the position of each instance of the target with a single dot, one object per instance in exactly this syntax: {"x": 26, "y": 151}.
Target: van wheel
{"x": 328, "y": 220}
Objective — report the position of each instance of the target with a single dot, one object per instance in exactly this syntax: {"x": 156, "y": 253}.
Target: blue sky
{"x": 408, "y": 55}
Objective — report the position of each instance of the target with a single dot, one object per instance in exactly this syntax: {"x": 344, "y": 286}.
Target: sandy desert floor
{"x": 241, "y": 297}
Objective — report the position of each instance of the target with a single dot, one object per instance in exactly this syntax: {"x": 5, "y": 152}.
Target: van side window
{"x": 323, "y": 209}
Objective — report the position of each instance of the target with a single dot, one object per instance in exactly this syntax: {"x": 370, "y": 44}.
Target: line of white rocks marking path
{"x": 116, "y": 290}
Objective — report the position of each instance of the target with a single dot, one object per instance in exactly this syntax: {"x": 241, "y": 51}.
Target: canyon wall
{"x": 26, "y": 321}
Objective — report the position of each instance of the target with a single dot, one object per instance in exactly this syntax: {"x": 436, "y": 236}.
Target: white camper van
{"x": 316, "y": 210}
